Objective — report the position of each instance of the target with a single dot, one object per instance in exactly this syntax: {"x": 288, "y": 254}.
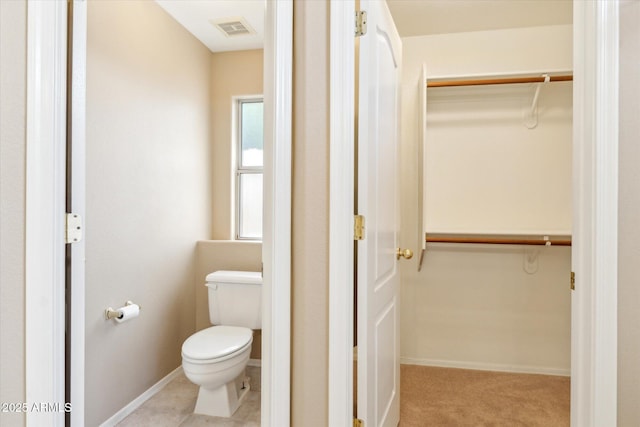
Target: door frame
{"x": 594, "y": 314}
{"x": 276, "y": 243}
{"x": 76, "y": 203}
{"x": 595, "y": 218}
{"x": 45, "y": 208}
{"x": 341, "y": 211}
{"x": 45, "y": 212}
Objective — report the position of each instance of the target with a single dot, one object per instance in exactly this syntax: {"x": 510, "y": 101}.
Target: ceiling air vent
{"x": 232, "y": 27}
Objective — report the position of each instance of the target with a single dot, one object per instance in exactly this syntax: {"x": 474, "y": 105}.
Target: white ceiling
{"x": 423, "y": 17}
{"x": 196, "y": 16}
{"x": 412, "y": 17}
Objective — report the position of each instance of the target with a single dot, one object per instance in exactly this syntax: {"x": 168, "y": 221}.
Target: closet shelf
{"x": 498, "y": 81}
{"x": 500, "y": 240}
{"x": 494, "y": 239}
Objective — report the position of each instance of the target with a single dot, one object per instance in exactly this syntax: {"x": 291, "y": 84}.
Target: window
{"x": 249, "y": 161}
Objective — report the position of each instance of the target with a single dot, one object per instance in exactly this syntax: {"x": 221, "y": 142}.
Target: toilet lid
{"x": 242, "y": 277}
{"x": 216, "y": 341}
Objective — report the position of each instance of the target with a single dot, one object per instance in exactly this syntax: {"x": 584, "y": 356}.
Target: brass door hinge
{"x": 361, "y": 23}
{"x": 358, "y": 227}
{"x": 573, "y": 281}
{"x": 358, "y": 422}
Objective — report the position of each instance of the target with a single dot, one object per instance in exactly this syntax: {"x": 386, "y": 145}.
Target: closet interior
{"x": 486, "y": 197}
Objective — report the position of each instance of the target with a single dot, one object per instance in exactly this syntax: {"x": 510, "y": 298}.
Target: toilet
{"x": 215, "y": 358}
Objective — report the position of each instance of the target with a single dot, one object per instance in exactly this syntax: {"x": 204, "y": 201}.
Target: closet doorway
{"x": 589, "y": 330}
{"x": 489, "y": 303}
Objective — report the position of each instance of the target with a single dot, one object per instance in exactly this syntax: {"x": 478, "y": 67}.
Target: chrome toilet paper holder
{"x": 110, "y": 313}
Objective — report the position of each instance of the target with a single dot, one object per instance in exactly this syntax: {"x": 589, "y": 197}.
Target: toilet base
{"x": 223, "y": 401}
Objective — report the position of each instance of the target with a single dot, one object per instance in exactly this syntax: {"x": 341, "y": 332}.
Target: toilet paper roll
{"x": 128, "y": 312}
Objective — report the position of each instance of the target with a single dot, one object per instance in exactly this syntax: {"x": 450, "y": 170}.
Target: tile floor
{"x": 173, "y": 406}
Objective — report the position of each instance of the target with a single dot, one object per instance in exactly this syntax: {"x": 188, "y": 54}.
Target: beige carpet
{"x": 442, "y": 397}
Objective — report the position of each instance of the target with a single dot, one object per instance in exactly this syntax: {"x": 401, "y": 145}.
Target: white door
{"x": 378, "y": 201}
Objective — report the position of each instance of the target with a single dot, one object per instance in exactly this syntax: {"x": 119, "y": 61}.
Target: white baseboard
{"x": 255, "y": 362}
{"x": 479, "y": 366}
{"x": 138, "y": 401}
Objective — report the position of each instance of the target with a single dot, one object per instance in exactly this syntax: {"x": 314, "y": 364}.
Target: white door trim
{"x": 594, "y": 314}
{"x": 595, "y": 222}
{"x": 77, "y": 197}
{"x": 341, "y": 190}
{"x": 45, "y": 209}
{"x": 276, "y": 245}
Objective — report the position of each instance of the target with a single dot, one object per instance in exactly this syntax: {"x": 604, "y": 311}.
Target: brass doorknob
{"x": 405, "y": 253}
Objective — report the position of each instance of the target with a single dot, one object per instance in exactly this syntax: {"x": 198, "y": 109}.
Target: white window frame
{"x": 238, "y": 169}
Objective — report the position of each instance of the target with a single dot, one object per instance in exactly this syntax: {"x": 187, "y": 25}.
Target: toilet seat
{"x": 216, "y": 343}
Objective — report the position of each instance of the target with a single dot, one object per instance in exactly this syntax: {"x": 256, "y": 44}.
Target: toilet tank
{"x": 235, "y": 298}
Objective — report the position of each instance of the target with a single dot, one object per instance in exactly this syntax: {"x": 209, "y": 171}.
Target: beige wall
{"x": 13, "y": 68}
{"x": 629, "y": 206}
{"x": 476, "y": 306}
{"x": 482, "y": 158}
{"x": 310, "y": 228}
{"x": 148, "y": 195}
{"x": 214, "y": 255}
{"x": 232, "y": 74}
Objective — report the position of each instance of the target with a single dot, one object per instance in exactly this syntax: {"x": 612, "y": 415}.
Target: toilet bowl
{"x": 215, "y": 358}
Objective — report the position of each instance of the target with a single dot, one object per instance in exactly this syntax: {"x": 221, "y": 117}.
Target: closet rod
{"x": 498, "y": 81}
{"x": 498, "y": 241}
